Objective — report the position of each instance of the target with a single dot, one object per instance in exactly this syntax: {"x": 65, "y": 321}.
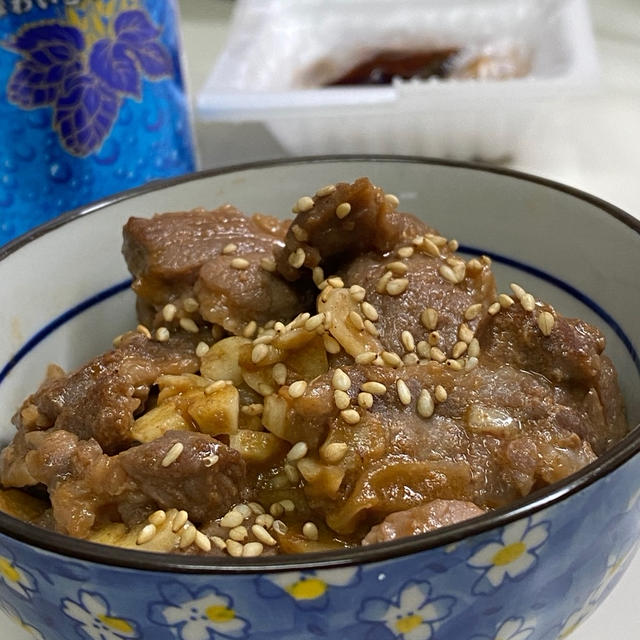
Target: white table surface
{"x": 592, "y": 144}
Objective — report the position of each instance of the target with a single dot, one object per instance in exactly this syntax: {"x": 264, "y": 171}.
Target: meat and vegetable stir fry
{"x": 344, "y": 379}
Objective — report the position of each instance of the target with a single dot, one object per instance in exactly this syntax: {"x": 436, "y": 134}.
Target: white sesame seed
{"x": 474, "y": 348}
{"x": 201, "y": 349}
{"x": 331, "y": 345}
{"x": 162, "y": 334}
{"x": 474, "y": 265}
{"x": 143, "y": 330}
{"x": 304, "y": 204}
{"x": 366, "y": 357}
{"x": 403, "y": 392}
{"x": 202, "y": 541}
{"x": 298, "y": 451}
{"x": 365, "y": 400}
{"x": 297, "y": 388}
{"x": 423, "y": 349}
{"x": 472, "y": 311}
{"x": 231, "y": 519}
{"x": 250, "y": 329}
{"x": 528, "y": 302}
{"x": 453, "y": 244}
{"x": 425, "y": 406}
{"x": 341, "y": 399}
{"x": 434, "y": 338}
{"x": 180, "y": 520}
{"x": 292, "y": 473}
{"x": 280, "y": 527}
{"x": 276, "y": 509}
{"x": 391, "y": 358}
{"x": 546, "y": 322}
{"x": 370, "y": 328}
{"x": 210, "y": 460}
{"x": 376, "y": 388}
{"x": 240, "y": 263}
{"x": 391, "y": 200}
{"x": 297, "y": 258}
{"x": 357, "y": 292}
{"x": 418, "y": 240}
{"x": 259, "y": 353}
{"x": 410, "y": 359}
{"x": 234, "y": 548}
{"x": 288, "y": 505}
{"x": 279, "y": 373}
{"x": 465, "y": 333}
{"x": 263, "y": 535}
{"x": 299, "y": 233}
{"x": 397, "y": 286}
{"x": 471, "y": 363}
{"x": 350, "y": 416}
{"x": 455, "y": 365}
{"x": 238, "y": 533}
{"x": 437, "y": 354}
{"x": 405, "y": 252}
{"x": 173, "y": 454}
{"x": 190, "y": 305}
{"x": 158, "y": 517}
{"x": 187, "y": 536}
{"x": 505, "y": 300}
{"x": 147, "y": 534}
{"x": 314, "y": 322}
{"x": 429, "y": 318}
{"x": 397, "y": 267}
{"x": 189, "y": 325}
{"x": 219, "y": 542}
{"x": 343, "y": 210}
{"x": 334, "y": 452}
{"x": 256, "y": 508}
{"x": 268, "y": 264}
{"x": 264, "y": 520}
{"x": 440, "y": 393}
{"x": 326, "y": 191}
{"x": 381, "y": 285}
{"x": 244, "y": 510}
{"x": 310, "y": 531}
{"x": 430, "y": 247}
{"x": 408, "y": 342}
{"x": 494, "y": 308}
{"x": 169, "y": 312}
{"x": 340, "y": 380}
{"x": 440, "y": 241}
{"x": 317, "y": 274}
{"x": 459, "y": 348}
{"x": 229, "y": 248}
{"x": 369, "y": 311}
{"x": 448, "y": 274}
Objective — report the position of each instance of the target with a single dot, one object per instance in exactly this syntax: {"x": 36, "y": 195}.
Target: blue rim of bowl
{"x": 611, "y": 460}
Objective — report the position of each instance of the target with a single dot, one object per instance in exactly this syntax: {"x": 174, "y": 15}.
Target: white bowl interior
{"x": 563, "y": 248}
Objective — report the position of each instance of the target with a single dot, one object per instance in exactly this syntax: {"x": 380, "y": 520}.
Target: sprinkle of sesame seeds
{"x": 189, "y": 325}
{"x": 187, "y": 536}
{"x": 440, "y": 393}
{"x": 356, "y": 320}
{"x": 453, "y": 245}
{"x": 297, "y": 258}
{"x": 448, "y": 274}
{"x": 268, "y": 264}
{"x": 429, "y": 318}
{"x": 336, "y": 282}
{"x": 518, "y": 291}
{"x": 297, "y": 388}
{"x": 179, "y": 521}
{"x": 334, "y": 452}
{"x": 340, "y": 380}
{"x": 370, "y": 328}
{"x": 343, "y": 210}
{"x": 423, "y": 349}
{"x": 250, "y": 329}
{"x": 256, "y": 508}
{"x": 279, "y": 373}
{"x": 264, "y": 520}
{"x": 366, "y": 357}
{"x": 158, "y": 517}
{"x": 381, "y": 285}
{"x": 407, "y": 340}
{"x": 434, "y": 338}
{"x": 403, "y": 392}
{"x": 405, "y": 252}
{"x": 243, "y": 509}
{"x": 259, "y": 353}
{"x": 326, "y": 191}
{"x": 190, "y": 305}
{"x": 528, "y": 302}
{"x": 341, "y": 399}
{"x": 391, "y": 200}
{"x": 169, "y": 312}
{"x": 472, "y": 311}
{"x": 239, "y": 263}
{"x": 314, "y": 322}
{"x": 397, "y": 267}
{"x": 453, "y": 364}
{"x": 147, "y": 534}
{"x": 299, "y": 233}
{"x": 239, "y": 533}
{"x": 376, "y": 388}
{"x": 546, "y": 322}
{"x": 229, "y": 248}
{"x": 465, "y": 333}
{"x": 276, "y": 509}
{"x": 410, "y": 359}
{"x": 430, "y": 247}
{"x": 459, "y": 348}
{"x": 350, "y": 416}
{"x": 162, "y": 334}
{"x": 265, "y": 338}
{"x": 234, "y": 548}
{"x": 231, "y": 519}
{"x": 505, "y": 300}
{"x": 292, "y": 473}
{"x": 425, "y": 406}
{"x": 310, "y": 531}
{"x": 173, "y": 454}
{"x": 357, "y": 292}
{"x": 280, "y": 527}
{"x": 219, "y": 542}
{"x": 263, "y": 535}
{"x": 474, "y": 348}
{"x": 494, "y": 308}
{"x": 304, "y": 204}
{"x": 143, "y": 330}
{"x": 369, "y": 311}
{"x": 417, "y": 240}
{"x": 331, "y": 345}
{"x": 298, "y": 451}
{"x": 437, "y": 355}
{"x": 317, "y": 274}
{"x": 202, "y": 541}
{"x": 288, "y": 505}
{"x": 397, "y": 286}
{"x": 471, "y": 363}
{"x": 365, "y": 400}
{"x": 391, "y": 358}
{"x": 201, "y": 349}
{"x": 474, "y": 265}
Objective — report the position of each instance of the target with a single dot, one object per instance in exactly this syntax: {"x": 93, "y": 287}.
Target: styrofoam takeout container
{"x": 272, "y": 43}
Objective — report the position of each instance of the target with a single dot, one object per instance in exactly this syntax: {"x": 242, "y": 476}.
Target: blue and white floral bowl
{"x": 531, "y": 572}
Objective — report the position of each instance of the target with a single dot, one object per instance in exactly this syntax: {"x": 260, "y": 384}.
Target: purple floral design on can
{"x": 86, "y": 88}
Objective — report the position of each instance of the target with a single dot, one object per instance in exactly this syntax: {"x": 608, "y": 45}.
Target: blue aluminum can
{"x": 92, "y": 101}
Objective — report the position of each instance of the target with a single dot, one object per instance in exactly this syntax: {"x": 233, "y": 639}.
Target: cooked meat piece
{"x": 99, "y": 400}
{"x": 421, "y": 519}
{"x": 499, "y": 434}
{"x": 206, "y": 479}
{"x": 182, "y": 255}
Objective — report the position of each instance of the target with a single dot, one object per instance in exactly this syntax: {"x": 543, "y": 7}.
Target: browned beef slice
{"x": 421, "y": 519}
{"x": 99, "y": 399}
{"x": 232, "y": 298}
{"x": 570, "y": 356}
{"x": 500, "y": 433}
{"x": 206, "y": 479}
{"x": 426, "y": 288}
{"x": 329, "y": 239}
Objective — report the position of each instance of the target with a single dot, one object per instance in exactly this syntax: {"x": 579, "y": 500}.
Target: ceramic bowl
{"x": 529, "y": 572}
